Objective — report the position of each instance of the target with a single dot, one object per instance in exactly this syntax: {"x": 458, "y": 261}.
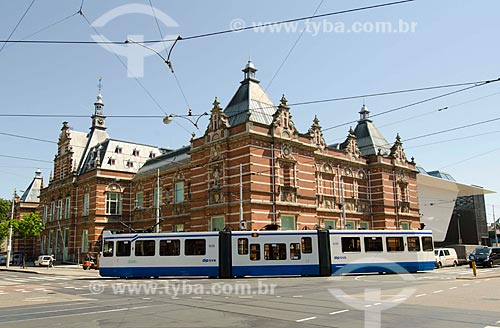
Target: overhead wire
{"x": 209, "y": 34}
{"x": 17, "y": 25}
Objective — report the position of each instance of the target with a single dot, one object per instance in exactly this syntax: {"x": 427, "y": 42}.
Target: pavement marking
{"x": 375, "y": 304}
{"x": 465, "y": 284}
{"x": 368, "y": 305}
{"x": 491, "y": 326}
{"x": 453, "y": 288}
{"x": 437, "y": 291}
{"x": 296, "y": 296}
{"x": 305, "y": 319}
{"x": 338, "y": 312}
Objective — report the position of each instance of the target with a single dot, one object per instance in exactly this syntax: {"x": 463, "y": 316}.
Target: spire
{"x": 364, "y": 113}
{"x": 249, "y": 72}
{"x": 98, "y": 105}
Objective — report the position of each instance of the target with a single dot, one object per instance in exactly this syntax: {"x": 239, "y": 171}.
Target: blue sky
{"x": 451, "y": 43}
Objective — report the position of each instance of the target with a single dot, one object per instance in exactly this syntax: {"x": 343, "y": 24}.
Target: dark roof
{"x": 368, "y": 137}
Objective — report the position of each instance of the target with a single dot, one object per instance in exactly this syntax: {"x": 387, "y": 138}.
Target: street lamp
{"x": 170, "y": 117}
{"x": 9, "y": 240}
{"x": 166, "y": 60}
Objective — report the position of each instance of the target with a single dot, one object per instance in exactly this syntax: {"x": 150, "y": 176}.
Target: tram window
{"x": 307, "y": 245}
{"x": 295, "y": 251}
{"x": 242, "y": 246}
{"x": 254, "y": 252}
{"x": 195, "y": 247}
{"x": 351, "y": 244}
{"x": 145, "y": 248}
{"x": 413, "y": 244}
{"x": 107, "y": 250}
{"x": 274, "y": 251}
{"x": 395, "y": 244}
{"x": 170, "y": 247}
{"x": 373, "y": 244}
{"x": 427, "y": 244}
{"x": 123, "y": 248}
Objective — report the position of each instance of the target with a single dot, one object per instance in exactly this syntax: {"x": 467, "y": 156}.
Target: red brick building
{"x": 251, "y": 169}
{"x": 289, "y": 179}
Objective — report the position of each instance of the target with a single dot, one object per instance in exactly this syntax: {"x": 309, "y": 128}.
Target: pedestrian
{"x": 51, "y": 261}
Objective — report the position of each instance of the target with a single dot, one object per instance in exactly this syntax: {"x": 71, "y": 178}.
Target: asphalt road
{"x": 442, "y": 298}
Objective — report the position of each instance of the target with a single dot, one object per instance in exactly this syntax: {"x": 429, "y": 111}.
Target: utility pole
{"x": 241, "y": 198}
{"x": 459, "y": 234}
{"x": 9, "y": 241}
{"x": 157, "y": 225}
{"x": 495, "y": 223}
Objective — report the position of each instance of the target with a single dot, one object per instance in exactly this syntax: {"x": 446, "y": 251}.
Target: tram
{"x": 228, "y": 254}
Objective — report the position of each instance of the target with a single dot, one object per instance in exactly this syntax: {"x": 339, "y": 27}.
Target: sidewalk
{"x": 61, "y": 269}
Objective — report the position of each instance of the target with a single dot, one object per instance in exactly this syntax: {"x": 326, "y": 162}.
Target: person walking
{"x": 51, "y": 262}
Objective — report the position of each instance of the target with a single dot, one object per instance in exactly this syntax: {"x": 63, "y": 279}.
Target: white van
{"x": 445, "y": 257}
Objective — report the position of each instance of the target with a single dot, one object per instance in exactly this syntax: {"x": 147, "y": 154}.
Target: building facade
{"x": 89, "y": 189}
{"x": 253, "y": 169}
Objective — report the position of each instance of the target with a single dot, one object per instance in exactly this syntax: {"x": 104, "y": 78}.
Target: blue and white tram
{"x": 367, "y": 251}
{"x": 228, "y": 254}
{"x": 164, "y": 254}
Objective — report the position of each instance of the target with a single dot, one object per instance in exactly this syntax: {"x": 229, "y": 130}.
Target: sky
{"x": 430, "y": 43}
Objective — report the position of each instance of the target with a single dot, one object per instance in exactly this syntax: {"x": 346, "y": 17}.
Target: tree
{"x": 5, "y": 205}
{"x": 5, "y": 209}
{"x": 30, "y": 226}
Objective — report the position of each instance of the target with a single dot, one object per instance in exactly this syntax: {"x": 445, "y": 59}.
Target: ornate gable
{"x": 316, "y": 134}
{"x": 350, "y": 146}
{"x": 283, "y": 126}
{"x": 217, "y": 128}
{"x": 397, "y": 152}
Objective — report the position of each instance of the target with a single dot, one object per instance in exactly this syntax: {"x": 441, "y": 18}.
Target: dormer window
{"x": 135, "y": 152}
{"x": 118, "y": 150}
{"x": 111, "y": 161}
{"x": 152, "y": 155}
{"x": 129, "y": 164}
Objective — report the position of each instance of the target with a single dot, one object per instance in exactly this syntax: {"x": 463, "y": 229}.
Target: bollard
{"x": 474, "y": 268}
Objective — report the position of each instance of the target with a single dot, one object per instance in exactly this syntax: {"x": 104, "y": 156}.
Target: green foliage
{"x": 5, "y": 205}
{"x": 29, "y": 226}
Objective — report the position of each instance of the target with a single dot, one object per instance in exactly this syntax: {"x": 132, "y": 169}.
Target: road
{"x": 442, "y": 298}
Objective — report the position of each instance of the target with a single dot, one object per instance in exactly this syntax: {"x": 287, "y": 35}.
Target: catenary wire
{"x": 209, "y": 34}
{"x": 17, "y": 25}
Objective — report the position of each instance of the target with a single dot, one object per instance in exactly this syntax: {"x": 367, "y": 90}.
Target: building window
{"x": 86, "y": 204}
{"x": 156, "y": 197}
{"x": 179, "y": 192}
{"x": 85, "y": 241}
{"x": 59, "y": 209}
{"x": 179, "y": 227}
{"x": 66, "y": 238}
{"x": 330, "y": 224}
{"x": 45, "y": 213}
{"x": 152, "y": 155}
{"x": 111, "y": 161}
{"x": 67, "y": 208}
{"x": 217, "y": 223}
{"x": 43, "y": 245}
{"x": 364, "y": 226}
{"x": 139, "y": 197}
{"x": 135, "y": 152}
{"x": 52, "y": 210}
{"x": 350, "y": 225}
{"x": 118, "y": 150}
{"x": 49, "y": 242}
{"x": 405, "y": 226}
{"x": 113, "y": 203}
{"x": 288, "y": 222}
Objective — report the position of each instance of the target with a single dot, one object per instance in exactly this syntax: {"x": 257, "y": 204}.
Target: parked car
{"x": 3, "y": 259}
{"x": 485, "y": 256}
{"x": 16, "y": 259}
{"x": 43, "y": 260}
{"x": 445, "y": 257}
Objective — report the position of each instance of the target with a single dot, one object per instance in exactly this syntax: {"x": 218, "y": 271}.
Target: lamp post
{"x": 9, "y": 240}
{"x": 170, "y": 117}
